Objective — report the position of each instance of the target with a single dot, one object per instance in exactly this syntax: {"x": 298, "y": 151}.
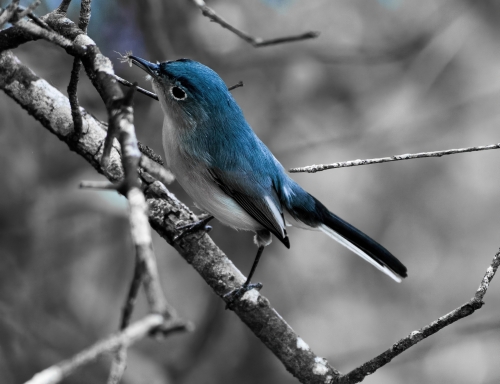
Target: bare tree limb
{"x": 8, "y": 12}
{"x": 122, "y": 122}
{"x": 357, "y": 375}
{"x": 407, "y": 156}
{"x": 23, "y": 12}
{"x": 85, "y": 10}
{"x": 154, "y": 96}
{"x": 14, "y": 12}
{"x": 106, "y": 185}
{"x": 237, "y": 85}
{"x": 165, "y": 213}
{"x": 119, "y": 363}
{"x": 139, "y": 89}
{"x": 150, "y": 154}
{"x": 63, "y": 7}
{"x": 255, "y": 41}
{"x": 132, "y": 293}
{"x": 128, "y": 336}
{"x": 37, "y": 31}
{"x": 118, "y": 366}
{"x": 156, "y": 170}
{"x": 75, "y": 71}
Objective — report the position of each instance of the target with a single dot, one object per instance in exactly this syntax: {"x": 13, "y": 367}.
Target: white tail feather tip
{"x": 335, "y": 236}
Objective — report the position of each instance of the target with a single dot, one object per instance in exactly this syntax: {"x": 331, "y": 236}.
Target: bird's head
{"x": 188, "y": 89}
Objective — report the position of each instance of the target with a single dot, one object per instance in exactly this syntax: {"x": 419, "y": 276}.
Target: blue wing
{"x": 257, "y": 197}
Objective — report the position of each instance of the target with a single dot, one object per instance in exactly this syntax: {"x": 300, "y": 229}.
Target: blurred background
{"x": 385, "y": 77}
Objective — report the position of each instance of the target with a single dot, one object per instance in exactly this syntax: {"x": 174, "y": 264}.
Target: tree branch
{"x": 255, "y": 41}
{"x": 357, "y": 375}
{"x": 85, "y": 10}
{"x": 8, "y": 12}
{"x": 154, "y": 96}
{"x": 75, "y": 71}
{"x": 119, "y": 363}
{"x": 52, "y": 109}
{"x": 156, "y": 170}
{"x": 407, "y": 156}
{"x": 27, "y": 11}
{"x": 128, "y": 336}
{"x": 139, "y": 89}
{"x": 122, "y": 122}
{"x": 40, "y": 99}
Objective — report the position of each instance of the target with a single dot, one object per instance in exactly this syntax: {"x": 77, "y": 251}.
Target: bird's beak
{"x": 150, "y": 68}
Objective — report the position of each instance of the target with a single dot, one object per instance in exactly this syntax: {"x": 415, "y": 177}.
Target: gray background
{"x": 384, "y": 78}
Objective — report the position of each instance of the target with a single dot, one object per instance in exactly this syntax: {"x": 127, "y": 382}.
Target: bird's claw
{"x": 194, "y": 227}
{"x": 234, "y": 295}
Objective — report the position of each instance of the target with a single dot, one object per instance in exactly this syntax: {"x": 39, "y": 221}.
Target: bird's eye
{"x": 178, "y": 93}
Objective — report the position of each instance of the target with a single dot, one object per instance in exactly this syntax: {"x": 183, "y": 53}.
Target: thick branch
{"x": 165, "y": 213}
{"x": 407, "y": 156}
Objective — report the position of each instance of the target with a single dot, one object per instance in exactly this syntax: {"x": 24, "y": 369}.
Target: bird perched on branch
{"x": 230, "y": 173}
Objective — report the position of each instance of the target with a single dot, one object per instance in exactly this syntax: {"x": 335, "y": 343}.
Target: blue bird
{"x": 224, "y": 167}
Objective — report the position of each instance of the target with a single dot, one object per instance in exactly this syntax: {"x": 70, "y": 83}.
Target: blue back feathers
{"x": 221, "y": 129}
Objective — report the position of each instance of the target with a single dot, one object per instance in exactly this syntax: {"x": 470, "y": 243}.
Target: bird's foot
{"x": 232, "y": 296}
{"x": 194, "y": 227}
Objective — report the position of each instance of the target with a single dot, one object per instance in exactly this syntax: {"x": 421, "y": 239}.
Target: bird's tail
{"x": 305, "y": 208}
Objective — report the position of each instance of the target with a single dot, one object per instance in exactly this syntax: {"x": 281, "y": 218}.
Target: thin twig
{"x": 118, "y": 366}
{"x": 106, "y": 185}
{"x": 63, "y": 7}
{"x": 156, "y": 170}
{"x": 73, "y": 97}
{"x": 132, "y": 293}
{"x": 22, "y": 11}
{"x": 139, "y": 89}
{"x": 119, "y": 363}
{"x": 149, "y": 153}
{"x": 85, "y": 10}
{"x": 255, "y": 41}
{"x": 75, "y": 73}
{"x": 128, "y": 336}
{"x": 153, "y": 95}
{"x": 8, "y": 12}
{"x": 39, "y": 22}
{"x": 237, "y": 85}
{"x": 467, "y": 309}
{"x": 407, "y": 156}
